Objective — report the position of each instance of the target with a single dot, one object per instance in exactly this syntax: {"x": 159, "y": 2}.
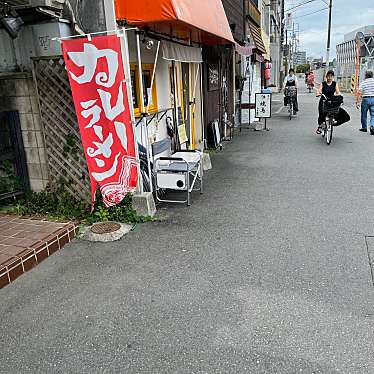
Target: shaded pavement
{"x": 267, "y": 272}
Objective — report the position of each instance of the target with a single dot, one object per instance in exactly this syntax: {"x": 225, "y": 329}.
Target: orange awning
{"x": 196, "y": 20}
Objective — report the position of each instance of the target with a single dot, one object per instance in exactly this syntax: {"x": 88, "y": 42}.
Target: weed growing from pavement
{"x": 58, "y": 204}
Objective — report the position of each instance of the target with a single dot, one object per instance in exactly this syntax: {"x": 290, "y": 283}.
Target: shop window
{"x": 147, "y": 77}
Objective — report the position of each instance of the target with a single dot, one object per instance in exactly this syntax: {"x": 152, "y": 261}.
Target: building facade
{"x": 216, "y": 78}
{"x": 253, "y": 65}
{"x": 194, "y": 81}
{"x": 23, "y": 159}
{"x": 275, "y": 43}
{"x": 348, "y": 58}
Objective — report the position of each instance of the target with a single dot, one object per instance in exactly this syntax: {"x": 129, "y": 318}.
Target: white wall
{"x": 162, "y": 80}
{"x": 253, "y": 83}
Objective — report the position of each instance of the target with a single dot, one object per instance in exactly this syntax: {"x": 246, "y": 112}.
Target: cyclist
{"x": 310, "y": 80}
{"x": 329, "y": 88}
{"x": 291, "y": 81}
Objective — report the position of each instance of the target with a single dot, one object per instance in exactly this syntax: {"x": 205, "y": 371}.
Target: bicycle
{"x": 330, "y": 108}
{"x": 290, "y": 93}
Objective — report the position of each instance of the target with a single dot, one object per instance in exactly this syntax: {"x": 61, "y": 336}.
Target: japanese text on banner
{"x": 97, "y": 80}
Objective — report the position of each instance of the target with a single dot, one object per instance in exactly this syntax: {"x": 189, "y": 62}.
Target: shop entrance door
{"x": 13, "y": 169}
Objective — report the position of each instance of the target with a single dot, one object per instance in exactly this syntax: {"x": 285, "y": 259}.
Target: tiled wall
{"x": 17, "y": 92}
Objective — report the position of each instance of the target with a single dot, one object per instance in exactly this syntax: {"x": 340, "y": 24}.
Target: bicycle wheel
{"x": 329, "y": 129}
{"x": 290, "y": 109}
{"x": 324, "y": 130}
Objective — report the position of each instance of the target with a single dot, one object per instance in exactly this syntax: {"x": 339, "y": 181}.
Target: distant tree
{"x": 302, "y": 68}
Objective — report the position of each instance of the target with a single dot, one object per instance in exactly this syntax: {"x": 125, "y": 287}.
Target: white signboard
{"x": 263, "y": 105}
{"x": 289, "y": 21}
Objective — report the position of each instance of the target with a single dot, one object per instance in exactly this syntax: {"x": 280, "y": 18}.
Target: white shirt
{"x": 290, "y": 78}
{"x": 367, "y": 87}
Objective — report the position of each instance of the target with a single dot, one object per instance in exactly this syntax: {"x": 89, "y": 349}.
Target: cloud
{"x": 347, "y": 16}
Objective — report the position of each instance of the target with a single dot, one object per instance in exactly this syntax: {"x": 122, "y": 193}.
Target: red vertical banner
{"x": 97, "y": 80}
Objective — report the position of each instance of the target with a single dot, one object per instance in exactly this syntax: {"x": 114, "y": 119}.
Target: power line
{"x": 309, "y": 14}
{"x": 301, "y": 4}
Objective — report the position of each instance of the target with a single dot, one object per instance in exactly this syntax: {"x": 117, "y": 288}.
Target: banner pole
{"x": 126, "y": 63}
{"x": 144, "y": 120}
{"x": 192, "y": 122}
{"x": 90, "y": 34}
{"x": 176, "y": 102}
{"x": 202, "y": 104}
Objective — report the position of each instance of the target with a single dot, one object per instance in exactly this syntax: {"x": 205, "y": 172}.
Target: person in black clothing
{"x": 329, "y": 88}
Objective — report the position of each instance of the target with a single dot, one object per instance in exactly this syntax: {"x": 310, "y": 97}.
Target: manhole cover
{"x": 105, "y": 227}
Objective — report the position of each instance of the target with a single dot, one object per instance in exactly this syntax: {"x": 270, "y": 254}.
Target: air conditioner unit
{"x": 22, "y": 4}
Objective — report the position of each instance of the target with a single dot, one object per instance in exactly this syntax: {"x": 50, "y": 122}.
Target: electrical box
{"x": 172, "y": 181}
{"x": 21, "y": 4}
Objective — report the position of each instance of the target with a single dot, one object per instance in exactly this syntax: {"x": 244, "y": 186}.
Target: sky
{"x": 347, "y": 15}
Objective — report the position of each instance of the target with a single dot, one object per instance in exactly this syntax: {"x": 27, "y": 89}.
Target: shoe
{"x": 319, "y": 130}
{"x": 364, "y": 130}
{"x": 371, "y": 130}
{"x": 294, "y": 112}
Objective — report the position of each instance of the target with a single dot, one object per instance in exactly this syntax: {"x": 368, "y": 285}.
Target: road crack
{"x": 370, "y": 254}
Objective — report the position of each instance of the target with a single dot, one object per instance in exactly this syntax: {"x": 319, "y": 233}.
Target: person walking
{"x": 366, "y": 96}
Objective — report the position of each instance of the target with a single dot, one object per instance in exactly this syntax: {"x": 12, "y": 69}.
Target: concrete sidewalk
{"x": 267, "y": 272}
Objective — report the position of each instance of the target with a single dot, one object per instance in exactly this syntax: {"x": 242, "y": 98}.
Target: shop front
{"x": 171, "y": 35}
{"x": 254, "y": 72}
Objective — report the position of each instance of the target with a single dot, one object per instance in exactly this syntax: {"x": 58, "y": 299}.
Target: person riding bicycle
{"x": 328, "y": 89}
{"x": 310, "y": 80}
{"x": 291, "y": 81}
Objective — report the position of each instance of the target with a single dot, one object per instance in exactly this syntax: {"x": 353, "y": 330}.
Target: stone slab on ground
{"x": 144, "y": 204}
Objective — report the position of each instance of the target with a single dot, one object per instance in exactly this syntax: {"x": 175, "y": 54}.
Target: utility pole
{"x": 328, "y": 38}
{"x": 281, "y": 58}
{"x": 292, "y": 56}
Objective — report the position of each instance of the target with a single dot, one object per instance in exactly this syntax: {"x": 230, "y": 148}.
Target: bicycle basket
{"x": 332, "y": 105}
{"x": 290, "y": 91}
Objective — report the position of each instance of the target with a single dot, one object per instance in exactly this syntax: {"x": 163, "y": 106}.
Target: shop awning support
{"x": 144, "y": 128}
{"x": 149, "y": 93}
{"x": 125, "y": 58}
{"x": 193, "y": 103}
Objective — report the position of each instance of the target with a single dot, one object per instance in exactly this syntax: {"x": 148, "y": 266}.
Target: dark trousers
{"x": 295, "y": 102}
{"x": 340, "y": 118}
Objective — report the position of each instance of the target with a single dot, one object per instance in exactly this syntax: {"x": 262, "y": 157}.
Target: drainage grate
{"x": 105, "y": 227}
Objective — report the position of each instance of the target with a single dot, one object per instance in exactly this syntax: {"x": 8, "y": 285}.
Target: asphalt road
{"x": 267, "y": 272}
